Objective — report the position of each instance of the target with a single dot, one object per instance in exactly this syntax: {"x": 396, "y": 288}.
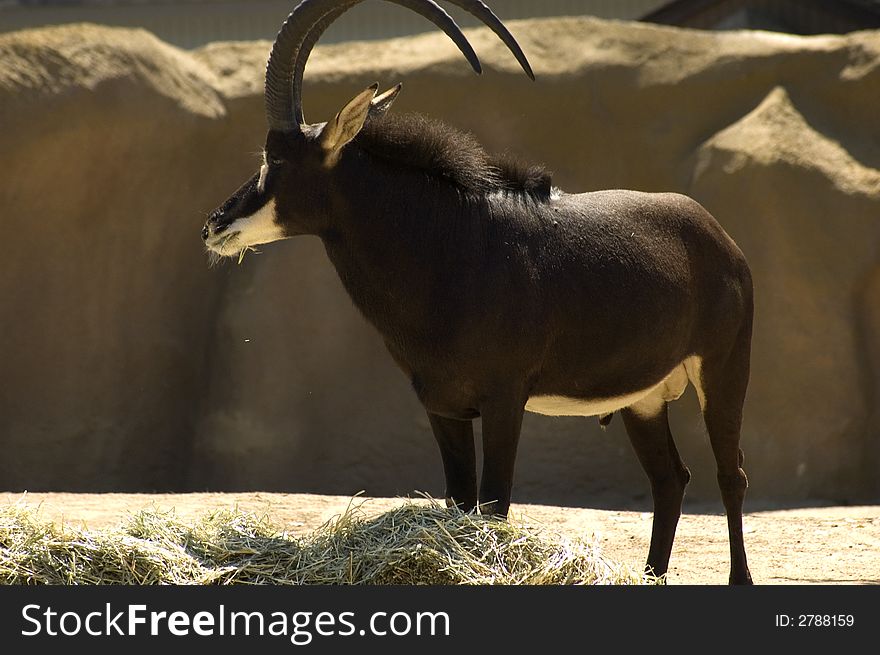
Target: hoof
{"x": 491, "y": 509}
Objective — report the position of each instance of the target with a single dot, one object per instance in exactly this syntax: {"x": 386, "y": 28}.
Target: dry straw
{"x": 415, "y": 544}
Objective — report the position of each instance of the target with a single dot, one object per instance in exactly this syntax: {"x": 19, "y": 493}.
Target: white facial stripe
{"x": 261, "y": 183}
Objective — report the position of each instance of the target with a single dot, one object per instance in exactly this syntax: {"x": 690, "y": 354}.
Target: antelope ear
{"x": 348, "y": 122}
{"x": 382, "y": 103}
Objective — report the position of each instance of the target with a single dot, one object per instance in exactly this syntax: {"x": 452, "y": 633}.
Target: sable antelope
{"x": 497, "y": 293}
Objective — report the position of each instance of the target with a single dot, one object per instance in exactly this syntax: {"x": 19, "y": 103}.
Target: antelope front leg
{"x": 502, "y": 422}
{"x": 456, "y": 442}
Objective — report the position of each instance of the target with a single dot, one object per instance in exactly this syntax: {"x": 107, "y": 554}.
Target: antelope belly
{"x": 647, "y": 402}
{"x": 566, "y": 406}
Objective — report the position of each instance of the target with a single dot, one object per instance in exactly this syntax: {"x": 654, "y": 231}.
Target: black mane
{"x": 444, "y": 152}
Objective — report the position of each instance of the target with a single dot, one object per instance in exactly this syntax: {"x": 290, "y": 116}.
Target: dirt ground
{"x": 817, "y": 545}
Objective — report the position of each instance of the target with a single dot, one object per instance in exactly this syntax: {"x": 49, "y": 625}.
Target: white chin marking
{"x": 259, "y": 227}
{"x": 645, "y": 402}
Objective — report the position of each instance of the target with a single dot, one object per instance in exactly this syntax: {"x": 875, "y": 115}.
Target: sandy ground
{"x": 822, "y": 545}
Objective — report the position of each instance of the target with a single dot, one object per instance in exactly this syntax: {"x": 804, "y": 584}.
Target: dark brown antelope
{"x": 497, "y": 293}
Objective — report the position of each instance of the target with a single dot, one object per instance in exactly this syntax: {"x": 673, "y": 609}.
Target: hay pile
{"x": 412, "y": 545}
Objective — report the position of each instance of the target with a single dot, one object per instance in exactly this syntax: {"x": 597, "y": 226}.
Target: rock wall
{"x": 129, "y": 364}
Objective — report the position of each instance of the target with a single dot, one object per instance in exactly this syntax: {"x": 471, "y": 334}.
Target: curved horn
{"x": 299, "y": 66}
{"x": 480, "y": 10}
{"x": 474, "y": 7}
{"x": 300, "y": 32}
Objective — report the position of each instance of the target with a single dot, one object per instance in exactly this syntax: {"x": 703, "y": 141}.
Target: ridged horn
{"x": 301, "y": 31}
{"x": 308, "y": 21}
